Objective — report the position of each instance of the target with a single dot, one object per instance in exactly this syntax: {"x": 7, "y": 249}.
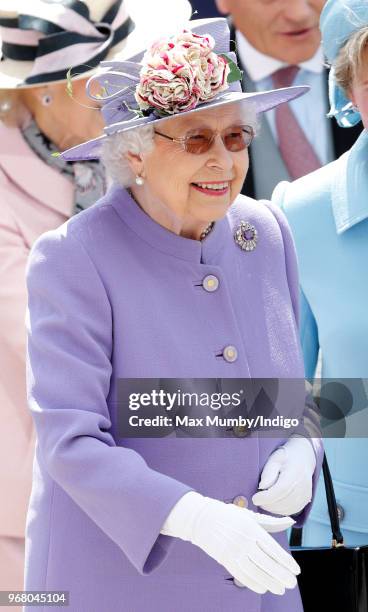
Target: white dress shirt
{"x": 310, "y": 109}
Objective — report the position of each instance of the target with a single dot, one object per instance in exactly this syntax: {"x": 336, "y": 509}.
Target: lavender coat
{"x": 113, "y": 294}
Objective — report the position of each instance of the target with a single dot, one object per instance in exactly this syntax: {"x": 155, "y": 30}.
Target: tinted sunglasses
{"x": 235, "y": 138}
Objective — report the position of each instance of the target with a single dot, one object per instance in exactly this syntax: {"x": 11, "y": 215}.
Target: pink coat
{"x": 34, "y": 198}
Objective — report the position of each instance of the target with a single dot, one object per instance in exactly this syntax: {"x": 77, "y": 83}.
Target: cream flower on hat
{"x": 180, "y": 72}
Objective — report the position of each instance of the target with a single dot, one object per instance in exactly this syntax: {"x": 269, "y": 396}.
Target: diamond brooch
{"x": 246, "y": 236}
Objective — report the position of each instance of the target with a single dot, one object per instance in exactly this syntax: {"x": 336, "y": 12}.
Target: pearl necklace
{"x": 208, "y": 229}
{"x": 205, "y": 232}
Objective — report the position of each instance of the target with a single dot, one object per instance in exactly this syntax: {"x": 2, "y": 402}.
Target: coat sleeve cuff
{"x": 158, "y": 546}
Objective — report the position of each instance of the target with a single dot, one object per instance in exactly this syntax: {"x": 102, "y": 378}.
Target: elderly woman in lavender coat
{"x": 175, "y": 276}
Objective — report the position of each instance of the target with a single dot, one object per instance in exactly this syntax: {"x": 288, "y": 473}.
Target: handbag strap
{"x": 337, "y": 537}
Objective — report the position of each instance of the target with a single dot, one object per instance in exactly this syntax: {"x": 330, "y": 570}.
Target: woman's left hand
{"x": 287, "y": 478}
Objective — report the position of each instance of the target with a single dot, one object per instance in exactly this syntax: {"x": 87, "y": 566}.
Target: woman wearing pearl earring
{"x": 171, "y": 274}
{"x": 39, "y": 191}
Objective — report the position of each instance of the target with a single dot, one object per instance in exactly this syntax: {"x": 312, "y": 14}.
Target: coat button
{"x": 230, "y": 353}
{"x": 340, "y": 512}
{"x": 240, "y": 431}
{"x": 210, "y": 283}
{"x": 241, "y": 501}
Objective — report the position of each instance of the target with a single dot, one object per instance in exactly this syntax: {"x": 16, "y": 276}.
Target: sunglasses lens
{"x": 199, "y": 141}
{"x": 237, "y": 138}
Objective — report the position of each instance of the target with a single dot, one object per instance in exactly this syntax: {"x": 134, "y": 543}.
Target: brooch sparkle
{"x": 246, "y": 236}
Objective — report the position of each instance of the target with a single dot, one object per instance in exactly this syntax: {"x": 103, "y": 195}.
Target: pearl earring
{"x": 139, "y": 180}
{"x": 46, "y": 99}
{"x": 5, "y": 106}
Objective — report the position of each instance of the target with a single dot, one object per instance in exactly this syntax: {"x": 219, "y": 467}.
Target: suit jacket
{"x": 33, "y": 199}
{"x": 113, "y": 294}
{"x": 328, "y": 214}
{"x": 264, "y": 152}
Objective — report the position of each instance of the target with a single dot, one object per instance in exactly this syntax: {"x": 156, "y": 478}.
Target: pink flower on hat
{"x": 181, "y": 72}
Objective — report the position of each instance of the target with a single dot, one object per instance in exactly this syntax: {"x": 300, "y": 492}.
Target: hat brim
{"x": 263, "y": 102}
{"x": 13, "y": 73}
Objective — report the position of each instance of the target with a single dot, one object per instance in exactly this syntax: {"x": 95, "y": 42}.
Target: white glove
{"x": 287, "y": 476}
{"x": 236, "y": 538}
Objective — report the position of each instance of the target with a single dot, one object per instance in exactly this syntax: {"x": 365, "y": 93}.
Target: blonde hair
{"x": 350, "y": 59}
{"x": 13, "y": 110}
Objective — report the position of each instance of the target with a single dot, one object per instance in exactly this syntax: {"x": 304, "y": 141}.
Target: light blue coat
{"x": 328, "y": 214}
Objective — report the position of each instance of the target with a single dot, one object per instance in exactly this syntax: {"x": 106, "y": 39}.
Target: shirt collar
{"x": 349, "y": 191}
{"x": 162, "y": 239}
{"x": 260, "y": 66}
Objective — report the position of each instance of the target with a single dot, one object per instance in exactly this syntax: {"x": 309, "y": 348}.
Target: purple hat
{"x": 186, "y": 73}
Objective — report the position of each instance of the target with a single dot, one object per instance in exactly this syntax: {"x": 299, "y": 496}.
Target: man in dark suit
{"x": 278, "y": 45}
{"x": 204, "y": 8}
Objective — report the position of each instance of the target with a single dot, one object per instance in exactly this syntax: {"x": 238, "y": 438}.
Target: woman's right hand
{"x": 236, "y": 538}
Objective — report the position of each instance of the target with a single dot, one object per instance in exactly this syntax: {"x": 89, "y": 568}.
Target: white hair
{"x": 141, "y": 140}
{"x": 115, "y": 147}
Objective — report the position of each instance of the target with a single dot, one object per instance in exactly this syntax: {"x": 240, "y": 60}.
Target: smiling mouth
{"x": 212, "y": 189}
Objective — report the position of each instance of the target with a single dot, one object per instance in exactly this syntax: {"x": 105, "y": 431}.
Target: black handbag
{"x": 332, "y": 579}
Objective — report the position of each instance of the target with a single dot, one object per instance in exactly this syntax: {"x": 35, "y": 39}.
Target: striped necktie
{"x": 295, "y": 148}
